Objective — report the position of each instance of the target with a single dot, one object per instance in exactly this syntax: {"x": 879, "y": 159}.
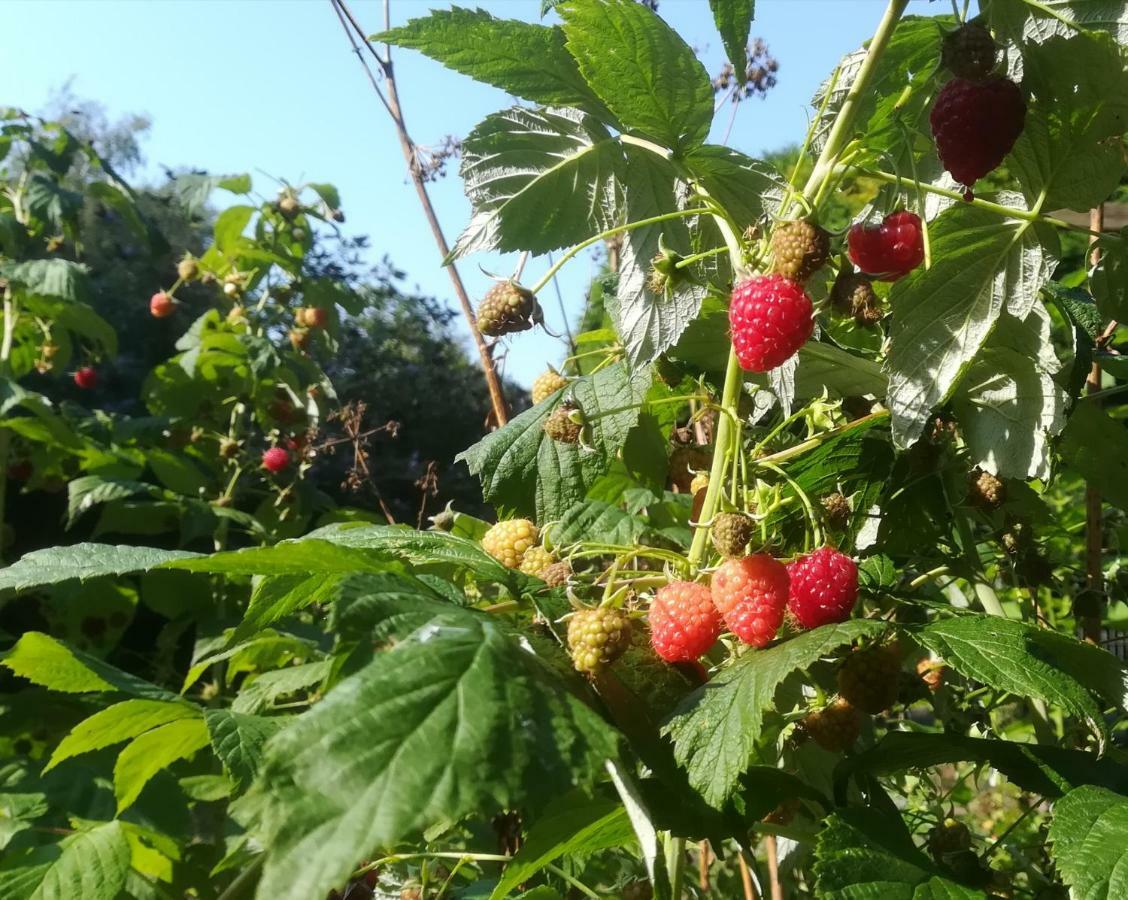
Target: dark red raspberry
{"x": 889, "y": 250}
{"x": 86, "y": 378}
{"x": 751, "y": 594}
{"x": 275, "y": 459}
{"x": 684, "y": 623}
{"x": 824, "y": 587}
{"x": 975, "y": 124}
{"x": 771, "y": 318}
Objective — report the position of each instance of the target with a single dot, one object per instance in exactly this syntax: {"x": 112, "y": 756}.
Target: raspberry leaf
{"x": 238, "y": 741}
{"x": 641, "y": 69}
{"x": 1064, "y": 156}
{"x": 92, "y": 863}
{"x": 1089, "y": 842}
{"x": 448, "y": 701}
{"x": 153, "y": 751}
{"x": 1046, "y": 770}
{"x": 115, "y": 724}
{"x": 519, "y": 163}
{"x": 746, "y": 188}
{"x": 1096, "y": 446}
{"x": 81, "y": 562}
{"x": 601, "y": 522}
{"x": 733, "y": 19}
{"x": 1012, "y": 379}
{"x": 942, "y": 315}
{"x": 522, "y": 59}
{"x": 1015, "y": 657}
{"x": 867, "y": 853}
{"x": 716, "y": 728}
{"x": 525, "y": 471}
{"x": 1018, "y": 20}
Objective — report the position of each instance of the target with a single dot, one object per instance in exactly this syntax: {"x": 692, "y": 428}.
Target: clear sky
{"x": 270, "y": 86}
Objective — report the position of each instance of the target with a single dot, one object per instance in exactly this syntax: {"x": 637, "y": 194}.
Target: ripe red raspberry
{"x": 771, "y": 318}
{"x": 86, "y": 378}
{"x": 975, "y": 124}
{"x": 161, "y": 305}
{"x": 751, "y": 594}
{"x": 889, "y": 250}
{"x": 684, "y": 623}
{"x": 824, "y": 587}
{"x": 275, "y": 459}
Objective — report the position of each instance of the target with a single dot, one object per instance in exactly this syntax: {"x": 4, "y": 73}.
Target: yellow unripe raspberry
{"x": 507, "y": 542}
{"x": 547, "y": 384}
{"x": 699, "y": 483}
{"x": 536, "y": 560}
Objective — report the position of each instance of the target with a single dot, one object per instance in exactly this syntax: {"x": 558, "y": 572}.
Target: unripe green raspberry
{"x": 731, "y": 533}
{"x": 536, "y": 560}
{"x": 969, "y": 52}
{"x": 799, "y": 249}
{"x": 836, "y": 510}
{"x": 187, "y": 268}
{"x": 597, "y": 637}
{"x": 835, "y": 727}
{"x": 506, "y": 308}
{"x": 561, "y": 425}
{"x": 546, "y": 384}
{"x": 557, "y": 574}
{"x": 507, "y": 542}
{"x": 869, "y": 679}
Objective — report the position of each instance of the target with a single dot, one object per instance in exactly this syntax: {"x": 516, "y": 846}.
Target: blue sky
{"x": 271, "y": 87}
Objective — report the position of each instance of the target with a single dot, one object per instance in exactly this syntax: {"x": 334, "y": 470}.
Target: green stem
{"x": 578, "y": 885}
{"x": 840, "y": 132}
{"x": 611, "y": 232}
{"x": 675, "y": 864}
{"x": 1010, "y": 212}
{"x": 734, "y": 378}
{"x": 246, "y": 880}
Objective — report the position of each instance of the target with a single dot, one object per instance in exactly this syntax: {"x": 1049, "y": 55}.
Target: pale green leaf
{"x": 238, "y": 741}
{"x": 82, "y": 561}
{"x": 153, "y": 751}
{"x": 120, "y": 722}
{"x": 92, "y": 865}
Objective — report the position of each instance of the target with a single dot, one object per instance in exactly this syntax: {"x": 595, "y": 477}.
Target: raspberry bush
{"x": 839, "y": 533}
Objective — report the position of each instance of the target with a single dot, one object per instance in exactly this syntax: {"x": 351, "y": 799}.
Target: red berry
{"x": 888, "y": 250}
{"x": 771, "y": 318}
{"x": 86, "y": 378}
{"x": 751, "y": 594}
{"x": 161, "y": 305}
{"x": 684, "y": 623}
{"x": 275, "y": 459}
{"x": 824, "y": 587}
{"x": 975, "y": 124}
{"x": 316, "y": 317}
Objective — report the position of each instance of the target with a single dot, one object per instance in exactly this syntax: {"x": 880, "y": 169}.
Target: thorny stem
{"x": 407, "y": 145}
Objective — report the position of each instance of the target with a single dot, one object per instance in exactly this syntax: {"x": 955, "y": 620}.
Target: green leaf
{"x": 153, "y": 751}
{"x": 1064, "y": 156}
{"x": 238, "y": 741}
{"x": 745, "y": 188}
{"x": 1096, "y": 446}
{"x": 365, "y": 600}
{"x": 574, "y": 824}
{"x": 90, "y": 490}
{"x": 641, "y": 69}
{"x": 734, "y": 21}
{"x": 258, "y": 694}
{"x": 1010, "y": 656}
{"x": 45, "y": 661}
{"x": 862, "y": 854}
{"x": 715, "y": 729}
{"x": 120, "y": 722}
{"x": 943, "y": 315}
{"x": 41, "y": 568}
{"x": 92, "y": 864}
{"x": 1045, "y": 770}
{"x": 404, "y": 743}
{"x": 1008, "y": 403}
{"x": 600, "y": 522}
{"x": 524, "y": 470}
{"x": 229, "y": 227}
{"x": 1089, "y": 843}
{"x": 194, "y": 189}
{"x": 1079, "y": 306}
{"x": 122, "y": 204}
{"x": 277, "y": 596}
{"x": 1109, "y": 279}
{"x": 522, "y": 59}
{"x": 1017, "y": 20}
{"x": 539, "y": 180}
{"x": 59, "y": 278}
{"x": 296, "y": 557}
